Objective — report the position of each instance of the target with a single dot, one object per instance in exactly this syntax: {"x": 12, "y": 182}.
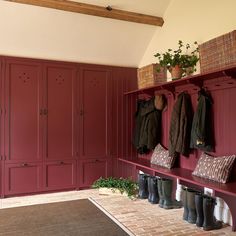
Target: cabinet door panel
{"x": 95, "y": 113}
{"x": 23, "y": 178}
{"x": 23, "y": 103}
{"x": 91, "y": 170}
{"x": 60, "y": 117}
{"x": 60, "y": 175}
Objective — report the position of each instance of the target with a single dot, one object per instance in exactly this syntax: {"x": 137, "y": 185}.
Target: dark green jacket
{"x": 201, "y": 133}
{"x": 180, "y": 126}
{"x": 148, "y": 126}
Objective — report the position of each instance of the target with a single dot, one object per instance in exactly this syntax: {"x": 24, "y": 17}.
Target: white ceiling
{"x": 38, "y": 32}
{"x": 149, "y": 7}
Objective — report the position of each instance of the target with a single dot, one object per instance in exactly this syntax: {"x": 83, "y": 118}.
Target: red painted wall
{"x": 223, "y": 92}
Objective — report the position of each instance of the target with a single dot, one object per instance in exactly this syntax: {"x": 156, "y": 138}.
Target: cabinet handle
{"x": 24, "y": 164}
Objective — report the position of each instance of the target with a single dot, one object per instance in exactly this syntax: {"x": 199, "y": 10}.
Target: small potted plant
{"x": 116, "y": 186}
{"x": 179, "y": 62}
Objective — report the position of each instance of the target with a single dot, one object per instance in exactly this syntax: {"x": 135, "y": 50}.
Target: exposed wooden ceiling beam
{"x": 94, "y": 10}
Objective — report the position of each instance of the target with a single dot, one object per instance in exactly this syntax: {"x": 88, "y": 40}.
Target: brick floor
{"x": 139, "y": 216}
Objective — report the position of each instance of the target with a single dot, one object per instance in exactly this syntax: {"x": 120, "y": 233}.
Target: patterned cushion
{"x": 161, "y": 157}
{"x": 214, "y": 168}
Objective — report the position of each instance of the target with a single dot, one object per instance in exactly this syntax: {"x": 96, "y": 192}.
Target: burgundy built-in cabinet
{"x": 57, "y": 121}
{"x": 95, "y": 120}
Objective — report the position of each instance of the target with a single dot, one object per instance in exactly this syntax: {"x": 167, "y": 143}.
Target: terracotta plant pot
{"x": 176, "y": 72}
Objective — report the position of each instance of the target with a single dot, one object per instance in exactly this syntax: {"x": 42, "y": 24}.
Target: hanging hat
{"x": 160, "y": 101}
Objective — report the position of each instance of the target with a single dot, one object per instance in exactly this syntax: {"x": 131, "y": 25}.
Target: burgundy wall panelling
{"x": 1, "y": 127}
{"x": 123, "y": 109}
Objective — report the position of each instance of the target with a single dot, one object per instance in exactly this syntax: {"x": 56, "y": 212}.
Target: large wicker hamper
{"x": 218, "y": 53}
{"x": 149, "y": 76}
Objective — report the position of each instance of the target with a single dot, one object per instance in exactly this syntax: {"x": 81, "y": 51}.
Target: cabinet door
{"x": 23, "y": 101}
{"x": 59, "y": 175}
{"x": 91, "y": 170}
{"x": 23, "y": 177}
{"x": 60, "y": 112}
{"x": 95, "y": 113}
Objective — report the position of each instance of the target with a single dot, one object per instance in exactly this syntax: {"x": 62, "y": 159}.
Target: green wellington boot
{"x": 192, "y": 214}
{"x": 199, "y": 209}
{"x": 167, "y": 194}
{"x": 160, "y": 193}
{"x": 185, "y": 204}
{"x": 210, "y": 221}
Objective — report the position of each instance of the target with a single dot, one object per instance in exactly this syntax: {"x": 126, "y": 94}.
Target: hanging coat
{"x": 180, "y": 126}
{"x": 201, "y": 133}
{"x": 147, "y": 126}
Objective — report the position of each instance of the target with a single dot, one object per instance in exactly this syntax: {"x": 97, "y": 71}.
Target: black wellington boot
{"x": 167, "y": 194}
{"x": 143, "y": 186}
{"x": 153, "y": 191}
{"x": 210, "y": 221}
{"x": 185, "y": 204}
{"x": 160, "y": 193}
{"x": 192, "y": 214}
{"x": 199, "y": 209}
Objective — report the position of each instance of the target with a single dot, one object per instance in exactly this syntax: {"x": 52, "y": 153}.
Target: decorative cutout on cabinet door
{"x": 94, "y": 82}
{"x": 24, "y": 77}
{"x": 60, "y": 80}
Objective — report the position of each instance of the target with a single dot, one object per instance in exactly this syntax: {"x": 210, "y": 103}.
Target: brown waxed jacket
{"x": 180, "y": 126}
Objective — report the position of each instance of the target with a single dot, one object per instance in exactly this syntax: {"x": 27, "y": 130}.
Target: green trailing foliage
{"x": 123, "y": 185}
{"x": 183, "y": 57}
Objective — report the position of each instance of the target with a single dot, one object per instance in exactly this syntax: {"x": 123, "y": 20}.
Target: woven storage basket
{"x": 148, "y": 76}
{"x": 218, "y": 53}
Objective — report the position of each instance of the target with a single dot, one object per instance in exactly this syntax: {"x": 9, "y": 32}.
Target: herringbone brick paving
{"x": 139, "y": 216}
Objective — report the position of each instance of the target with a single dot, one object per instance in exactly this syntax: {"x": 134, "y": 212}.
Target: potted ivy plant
{"x": 113, "y": 185}
{"x": 179, "y": 62}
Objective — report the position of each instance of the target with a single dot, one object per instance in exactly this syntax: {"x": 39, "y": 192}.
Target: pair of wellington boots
{"x": 205, "y": 206}
{"x": 165, "y": 194}
{"x": 148, "y": 188}
{"x": 199, "y": 210}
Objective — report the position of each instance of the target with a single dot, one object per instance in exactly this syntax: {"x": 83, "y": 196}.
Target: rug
{"x": 78, "y": 217}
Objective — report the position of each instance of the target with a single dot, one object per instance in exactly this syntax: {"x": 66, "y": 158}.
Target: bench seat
{"x": 225, "y": 191}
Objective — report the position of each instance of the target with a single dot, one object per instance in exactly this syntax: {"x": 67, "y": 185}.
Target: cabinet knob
{"x": 45, "y": 111}
{"x": 24, "y": 164}
{"x": 61, "y": 162}
{"x": 81, "y": 112}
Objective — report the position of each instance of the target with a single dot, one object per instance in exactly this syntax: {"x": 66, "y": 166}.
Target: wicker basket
{"x": 148, "y": 76}
{"x": 218, "y": 53}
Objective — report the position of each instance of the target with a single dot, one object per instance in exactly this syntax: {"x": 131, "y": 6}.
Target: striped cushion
{"x": 214, "y": 168}
{"x": 161, "y": 157}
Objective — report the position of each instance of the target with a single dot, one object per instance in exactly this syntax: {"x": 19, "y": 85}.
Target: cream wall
{"x": 38, "y": 32}
{"x": 191, "y": 20}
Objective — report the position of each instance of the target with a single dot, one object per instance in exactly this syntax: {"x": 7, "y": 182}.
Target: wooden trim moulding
{"x": 94, "y": 10}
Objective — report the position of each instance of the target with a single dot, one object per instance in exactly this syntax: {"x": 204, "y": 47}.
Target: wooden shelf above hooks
{"x": 196, "y": 80}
